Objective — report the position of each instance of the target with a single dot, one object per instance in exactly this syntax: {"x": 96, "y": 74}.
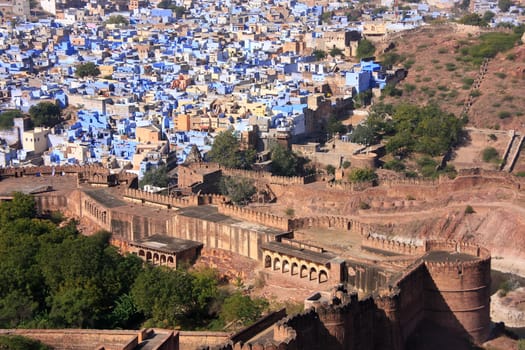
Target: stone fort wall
{"x": 454, "y": 294}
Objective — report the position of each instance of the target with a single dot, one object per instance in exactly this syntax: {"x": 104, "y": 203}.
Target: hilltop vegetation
{"x": 444, "y": 63}
{"x": 53, "y": 277}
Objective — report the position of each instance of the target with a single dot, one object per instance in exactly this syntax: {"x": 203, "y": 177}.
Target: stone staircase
{"x": 483, "y": 69}
{"x": 513, "y": 153}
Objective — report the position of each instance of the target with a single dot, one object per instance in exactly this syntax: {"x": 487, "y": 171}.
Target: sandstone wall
{"x": 458, "y": 296}
{"x": 392, "y": 246}
{"x": 238, "y": 239}
{"x": 65, "y": 339}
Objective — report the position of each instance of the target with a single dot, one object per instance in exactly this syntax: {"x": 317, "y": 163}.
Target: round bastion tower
{"x": 457, "y": 294}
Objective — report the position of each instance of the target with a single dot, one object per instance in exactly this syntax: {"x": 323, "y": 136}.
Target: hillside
{"x": 442, "y": 70}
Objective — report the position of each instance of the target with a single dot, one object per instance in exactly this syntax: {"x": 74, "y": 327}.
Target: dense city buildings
{"x": 99, "y": 98}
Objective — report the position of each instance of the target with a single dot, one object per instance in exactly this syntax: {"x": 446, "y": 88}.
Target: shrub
{"x": 493, "y": 137}
{"x": 442, "y": 50}
{"x": 500, "y": 75}
{"x": 409, "y": 87}
{"x": 450, "y": 67}
{"x": 330, "y": 169}
{"x": 520, "y": 174}
{"x": 346, "y": 164}
{"x": 395, "y": 165}
{"x": 289, "y": 212}
{"x": 469, "y": 210}
{"x": 504, "y": 115}
{"x": 364, "y": 205}
{"x": 410, "y": 198}
{"x": 490, "y": 154}
{"x": 362, "y": 175}
{"x": 475, "y": 93}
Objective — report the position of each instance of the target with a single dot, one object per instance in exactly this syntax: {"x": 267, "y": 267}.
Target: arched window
{"x": 313, "y": 274}
{"x": 267, "y": 261}
{"x": 286, "y": 266}
{"x": 276, "y": 264}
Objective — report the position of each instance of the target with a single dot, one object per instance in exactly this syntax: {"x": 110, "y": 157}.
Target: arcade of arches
{"x": 295, "y": 267}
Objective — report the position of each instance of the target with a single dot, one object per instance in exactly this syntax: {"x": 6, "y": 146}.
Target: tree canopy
{"x": 362, "y": 175}
{"x": 45, "y": 114}
{"x": 53, "y": 277}
{"x": 427, "y": 130}
{"x": 225, "y": 151}
{"x": 365, "y": 48}
{"x": 88, "y": 69}
{"x": 7, "y": 118}
{"x": 239, "y": 190}
{"x": 117, "y": 19}
{"x": 284, "y": 161}
{"x": 156, "y": 177}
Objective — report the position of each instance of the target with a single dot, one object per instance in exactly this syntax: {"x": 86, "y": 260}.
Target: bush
{"x": 330, "y": 169}
{"x": 500, "y": 75}
{"x": 362, "y": 175}
{"x": 490, "y": 154}
{"x": 346, "y": 164}
{"x": 475, "y": 93}
{"x": 289, "y": 212}
{"x": 364, "y": 205}
{"x": 504, "y": 115}
{"x": 520, "y": 174}
{"x": 469, "y": 210}
{"x": 395, "y": 165}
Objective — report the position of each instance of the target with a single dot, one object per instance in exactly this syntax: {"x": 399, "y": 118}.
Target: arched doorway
{"x": 323, "y": 276}
{"x": 267, "y": 261}
{"x": 276, "y": 264}
{"x": 295, "y": 269}
{"x": 313, "y": 274}
{"x": 286, "y": 266}
{"x": 304, "y": 271}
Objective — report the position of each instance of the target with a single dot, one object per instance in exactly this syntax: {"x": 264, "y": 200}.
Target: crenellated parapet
{"x": 160, "y": 199}
{"x": 266, "y": 219}
{"x": 339, "y": 222}
{"x": 395, "y": 246}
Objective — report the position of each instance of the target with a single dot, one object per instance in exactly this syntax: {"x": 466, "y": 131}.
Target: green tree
{"x": 164, "y": 295}
{"x": 473, "y": 19}
{"x": 326, "y": 17}
{"x": 490, "y": 154}
{"x": 225, "y": 151}
{"x": 319, "y": 54}
{"x": 239, "y": 190}
{"x": 118, "y": 20}
{"x": 156, "y": 177}
{"x": 335, "y": 51}
{"x": 16, "y": 342}
{"x": 242, "y": 308}
{"x": 362, "y": 175}
{"x": 365, "y": 48}
{"x": 364, "y": 134}
{"x": 504, "y": 5}
{"x": 330, "y": 169}
{"x": 488, "y": 16}
{"x": 284, "y": 161}
{"x": 425, "y": 129}
{"x": 20, "y": 207}
{"x": 7, "y": 118}
{"x": 45, "y": 114}
{"x": 335, "y": 126}
{"x": 88, "y": 69}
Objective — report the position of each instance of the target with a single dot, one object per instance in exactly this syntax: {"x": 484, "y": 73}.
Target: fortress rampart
{"x": 255, "y": 216}
{"x": 448, "y": 282}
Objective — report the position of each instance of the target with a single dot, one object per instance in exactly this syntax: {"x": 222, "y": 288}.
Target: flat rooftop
{"x": 106, "y": 198}
{"x": 211, "y": 213}
{"x": 445, "y": 256}
{"x": 167, "y": 244}
{"x": 35, "y": 184}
